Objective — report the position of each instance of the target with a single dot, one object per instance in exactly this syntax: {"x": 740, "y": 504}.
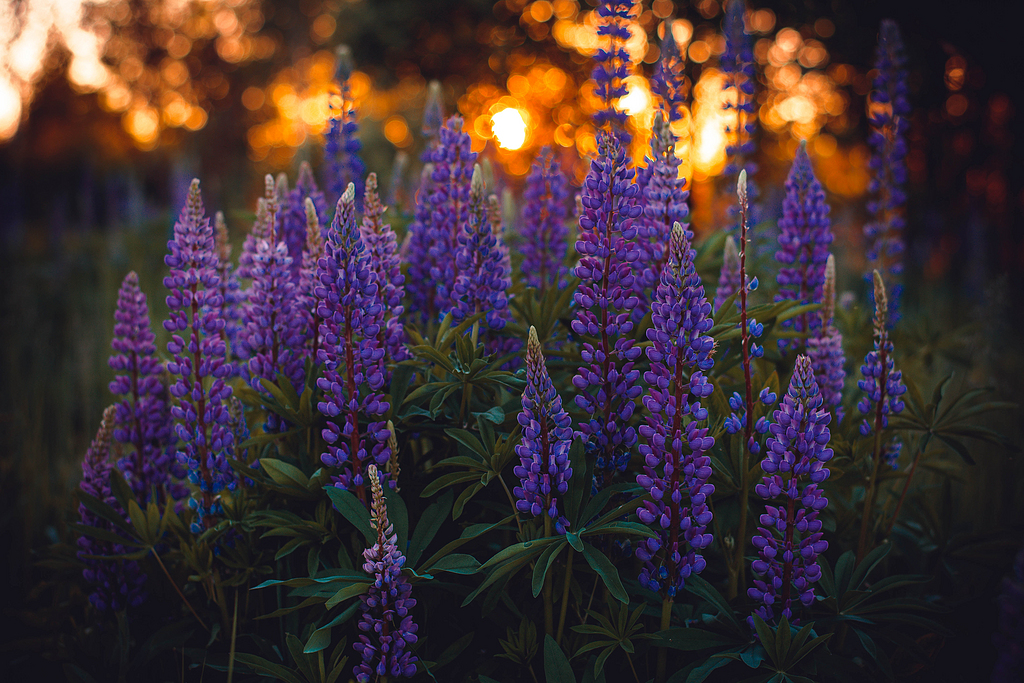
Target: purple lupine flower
{"x": 382, "y": 248}
{"x": 729, "y": 278}
{"x": 342, "y": 164}
{"x": 669, "y": 81}
{"x": 544, "y": 470}
{"x": 453, "y": 161}
{"x": 311, "y": 255}
{"x": 891, "y": 452}
{"x": 789, "y": 539}
{"x": 805, "y": 234}
{"x": 664, "y": 201}
{"x": 433, "y": 118}
{"x": 194, "y": 308}
{"x": 396, "y": 196}
{"x": 825, "y": 347}
{"x": 386, "y": 624}
{"x": 140, "y": 418}
{"x": 415, "y": 251}
{"x": 738, "y": 69}
{"x": 1009, "y": 638}
{"x": 545, "y": 234}
{"x": 481, "y": 282}
{"x": 292, "y": 218}
{"x": 676, "y": 464}
{"x": 230, "y": 294}
{"x": 612, "y": 66}
{"x": 607, "y": 380}
{"x": 882, "y": 383}
{"x": 889, "y": 125}
{"x": 351, "y": 314}
{"x": 116, "y": 584}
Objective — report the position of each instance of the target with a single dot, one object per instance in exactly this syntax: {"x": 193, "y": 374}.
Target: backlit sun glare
{"x": 509, "y": 128}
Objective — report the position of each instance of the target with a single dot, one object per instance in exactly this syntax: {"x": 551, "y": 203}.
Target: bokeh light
{"x": 509, "y": 127}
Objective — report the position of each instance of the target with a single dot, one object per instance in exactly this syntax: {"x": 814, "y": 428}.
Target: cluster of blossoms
{"x": 544, "y": 470}
{"x": 341, "y": 146}
{"x": 729, "y": 278}
{"x": 676, "y": 460}
{"x": 231, "y": 297}
{"x": 382, "y": 248}
{"x": 612, "y": 66}
{"x": 825, "y": 346}
{"x": 115, "y": 584}
{"x": 201, "y": 413}
{"x": 544, "y": 233}
{"x": 351, "y": 321}
{"x": 293, "y": 220}
{"x": 789, "y": 539}
{"x": 607, "y": 380}
{"x": 805, "y": 234}
{"x": 890, "y": 122}
{"x": 141, "y": 415}
{"x": 386, "y": 624}
{"x": 738, "y": 68}
{"x": 882, "y": 384}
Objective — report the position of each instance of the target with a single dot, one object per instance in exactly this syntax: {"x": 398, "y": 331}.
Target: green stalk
{"x": 549, "y": 608}
{"x": 666, "y": 620}
{"x": 565, "y": 597}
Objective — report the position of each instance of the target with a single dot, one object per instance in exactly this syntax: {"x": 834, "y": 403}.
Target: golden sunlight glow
{"x": 509, "y": 128}
{"x": 637, "y": 99}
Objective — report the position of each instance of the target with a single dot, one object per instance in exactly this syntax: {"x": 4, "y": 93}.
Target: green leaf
{"x": 452, "y": 652}
{"x": 767, "y": 636}
{"x": 543, "y": 564}
{"x": 689, "y": 639}
{"x": 579, "y": 483}
{"x": 701, "y": 673}
{"x": 556, "y": 666}
{"x": 98, "y": 507}
{"x": 868, "y": 563}
{"x": 702, "y": 589}
{"x": 468, "y": 440}
{"x": 468, "y": 535}
{"x": 401, "y": 378}
{"x": 347, "y": 592}
{"x": 600, "y": 563}
{"x": 320, "y": 639}
{"x": 844, "y": 571}
{"x": 495, "y": 415}
{"x": 456, "y": 563}
{"x": 351, "y": 509}
{"x": 427, "y": 527}
{"x": 575, "y": 541}
{"x": 284, "y": 474}
{"x": 957, "y": 447}
{"x": 267, "y": 668}
{"x": 398, "y": 515}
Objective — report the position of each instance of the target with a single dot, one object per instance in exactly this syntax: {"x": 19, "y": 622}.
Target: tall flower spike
{"x": 382, "y": 248}
{"x": 612, "y": 66}
{"x": 230, "y": 294}
{"x": 341, "y": 146}
{"x": 890, "y": 112}
{"x": 311, "y": 255}
{"x": 664, "y": 206}
{"x": 544, "y": 470}
{"x": 433, "y": 114}
{"x": 350, "y": 309}
{"x": 738, "y": 69}
{"x": 789, "y": 539}
{"x": 416, "y": 251}
{"x": 606, "y": 381}
{"x": 394, "y": 467}
{"x": 729, "y": 278}
{"x": 669, "y": 81}
{"x": 386, "y": 623}
{"x": 825, "y": 346}
{"x": 140, "y": 419}
{"x": 481, "y": 282}
{"x": 194, "y": 310}
{"x": 453, "y": 171}
{"x": 882, "y": 384}
{"x": 676, "y": 464}
{"x": 116, "y": 584}
{"x": 545, "y": 234}
{"x": 396, "y": 188}
{"x": 805, "y": 234}
{"x": 263, "y": 228}
{"x": 292, "y": 219}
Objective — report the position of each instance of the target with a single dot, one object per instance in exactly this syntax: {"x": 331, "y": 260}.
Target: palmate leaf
{"x": 556, "y": 665}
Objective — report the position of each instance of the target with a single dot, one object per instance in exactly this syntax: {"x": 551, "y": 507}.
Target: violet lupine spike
{"x": 544, "y": 470}
{"x": 396, "y": 196}
{"x": 140, "y": 418}
{"x": 481, "y": 283}
{"x": 263, "y": 227}
{"x": 664, "y": 201}
{"x": 676, "y": 464}
{"x": 738, "y": 68}
{"x": 825, "y": 347}
{"x": 805, "y": 235}
{"x": 433, "y": 117}
{"x": 292, "y": 215}
{"x": 382, "y": 248}
{"x": 890, "y": 122}
{"x": 394, "y": 468}
{"x": 116, "y": 584}
{"x": 607, "y": 380}
{"x": 202, "y": 419}
{"x": 453, "y": 161}
{"x": 386, "y": 625}
{"x": 669, "y": 81}
{"x": 342, "y": 164}
{"x": 416, "y": 251}
{"x": 230, "y": 289}
{"x": 729, "y": 278}
{"x": 311, "y": 255}
{"x": 882, "y": 383}
{"x": 351, "y": 314}
{"x": 612, "y": 66}
{"x": 789, "y": 539}
{"x": 545, "y": 233}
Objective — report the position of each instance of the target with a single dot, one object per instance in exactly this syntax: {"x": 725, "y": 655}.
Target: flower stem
{"x": 565, "y": 597}
{"x": 906, "y": 488}
{"x": 666, "y": 620}
{"x": 178, "y": 591}
{"x": 549, "y": 608}
{"x": 876, "y": 455}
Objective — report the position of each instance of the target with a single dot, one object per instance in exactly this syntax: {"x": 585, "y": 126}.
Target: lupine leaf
{"x": 556, "y": 666}
{"x": 351, "y": 509}
{"x": 600, "y": 563}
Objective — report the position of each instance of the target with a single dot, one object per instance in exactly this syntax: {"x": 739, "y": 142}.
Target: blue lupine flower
{"x": 676, "y": 464}
{"x": 382, "y": 248}
{"x": 612, "y": 66}
{"x": 416, "y": 251}
{"x": 825, "y": 346}
{"x": 729, "y": 279}
{"x": 882, "y": 383}
{"x": 789, "y": 539}
{"x": 544, "y": 233}
{"x": 230, "y": 289}
{"x": 342, "y": 164}
{"x": 292, "y": 223}
{"x": 544, "y": 470}
{"x": 669, "y": 81}
{"x": 738, "y": 69}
